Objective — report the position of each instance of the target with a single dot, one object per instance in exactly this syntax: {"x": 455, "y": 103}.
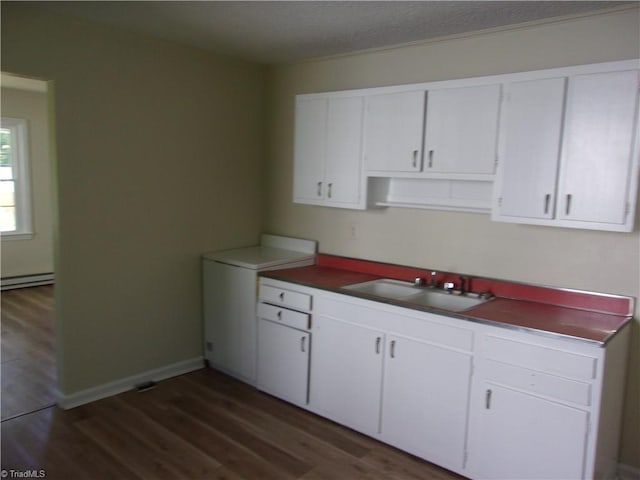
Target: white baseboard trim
{"x": 627, "y": 472}
{"x": 119, "y": 386}
{"x": 23, "y": 281}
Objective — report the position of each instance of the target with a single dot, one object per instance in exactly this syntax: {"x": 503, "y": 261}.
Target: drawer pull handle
{"x": 329, "y": 187}
{"x": 378, "y": 340}
{"x": 392, "y": 350}
{"x": 414, "y": 163}
{"x": 279, "y": 314}
{"x": 302, "y": 344}
{"x": 281, "y": 296}
{"x": 547, "y": 199}
{"x": 319, "y": 191}
{"x": 487, "y": 399}
{"x": 430, "y": 158}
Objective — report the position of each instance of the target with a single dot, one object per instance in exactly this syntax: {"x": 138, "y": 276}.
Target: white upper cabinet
{"x": 555, "y": 147}
{"x": 600, "y": 130}
{"x": 461, "y": 130}
{"x": 393, "y": 138}
{"x": 327, "y": 152}
{"x": 526, "y": 180}
{"x": 309, "y": 150}
{"x": 568, "y": 154}
{"x": 344, "y": 151}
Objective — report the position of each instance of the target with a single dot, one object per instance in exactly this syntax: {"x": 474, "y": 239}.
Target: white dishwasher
{"x": 230, "y": 279}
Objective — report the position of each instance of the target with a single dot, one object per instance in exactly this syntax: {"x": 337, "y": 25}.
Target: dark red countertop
{"x": 588, "y": 316}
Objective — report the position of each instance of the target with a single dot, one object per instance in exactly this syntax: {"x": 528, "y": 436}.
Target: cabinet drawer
{"x": 284, "y": 297}
{"x": 541, "y": 358}
{"x": 539, "y": 382}
{"x": 282, "y": 315}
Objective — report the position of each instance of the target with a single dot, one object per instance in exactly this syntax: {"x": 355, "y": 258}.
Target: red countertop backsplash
{"x": 584, "y": 315}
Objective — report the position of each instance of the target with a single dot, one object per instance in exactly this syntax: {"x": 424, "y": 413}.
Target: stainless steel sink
{"x": 386, "y": 287}
{"x": 408, "y": 292}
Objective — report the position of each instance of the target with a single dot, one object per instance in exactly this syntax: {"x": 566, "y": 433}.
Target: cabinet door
{"x": 309, "y": 150}
{"x": 393, "y": 138}
{"x": 344, "y": 149}
{"x": 600, "y": 129}
{"x": 230, "y": 319}
{"x": 532, "y": 123}
{"x": 426, "y": 400}
{"x": 346, "y": 373}
{"x": 523, "y": 436}
{"x": 461, "y": 129}
{"x": 283, "y": 361}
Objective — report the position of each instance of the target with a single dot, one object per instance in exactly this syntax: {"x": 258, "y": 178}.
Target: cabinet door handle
{"x": 279, "y": 314}
{"x": 319, "y": 190}
{"x": 378, "y": 340}
{"x": 281, "y": 296}
{"x": 302, "y": 344}
{"x": 415, "y": 159}
{"x": 392, "y": 350}
{"x": 329, "y": 189}
{"x": 430, "y": 158}
{"x": 547, "y": 199}
{"x": 487, "y": 399}
{"x": 568, "y": 208}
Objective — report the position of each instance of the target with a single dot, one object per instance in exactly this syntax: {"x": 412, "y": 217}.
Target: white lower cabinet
{"x": 395, "y": 374}
{"x": 526, "y": 436}
{"x": 283, "y": 361}
{"x": 545, "y": 408}
{"x": 284, "y": 341}
{"x": 426, "y": 399}
{"x": 346, "y": 373}
{"x": 484, "y": 401}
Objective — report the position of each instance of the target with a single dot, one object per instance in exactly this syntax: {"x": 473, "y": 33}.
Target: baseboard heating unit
{"x": 23, "y": 281}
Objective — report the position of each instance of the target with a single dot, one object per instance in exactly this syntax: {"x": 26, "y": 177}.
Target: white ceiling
{"x": 275, "y": 32}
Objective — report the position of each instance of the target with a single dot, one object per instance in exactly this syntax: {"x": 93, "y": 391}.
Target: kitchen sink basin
{"x": 446, "y": 301}
{"x": 408, "y": 292}
{"x": 386, "y": 287}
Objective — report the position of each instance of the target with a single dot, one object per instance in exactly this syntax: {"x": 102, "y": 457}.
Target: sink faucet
{"x": 463, "y": 285}
{"x": 448, "y": 286}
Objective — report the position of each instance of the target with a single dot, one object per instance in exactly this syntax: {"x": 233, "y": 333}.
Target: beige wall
{"x": 25, "y": 257}
{"x": 158, "y": 159}
{"x": 461, "y": 242}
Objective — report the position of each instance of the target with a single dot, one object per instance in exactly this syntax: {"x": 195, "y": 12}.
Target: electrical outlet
{"x": 355, "y": 231}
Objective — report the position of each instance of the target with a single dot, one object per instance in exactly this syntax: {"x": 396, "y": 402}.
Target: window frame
{"x": 21, "y": 179}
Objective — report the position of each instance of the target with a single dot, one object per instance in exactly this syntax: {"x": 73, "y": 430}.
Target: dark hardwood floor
{"x": 28, "y": 355}
{"x": 196, "y": 426}
{"x": 200, "y": 425}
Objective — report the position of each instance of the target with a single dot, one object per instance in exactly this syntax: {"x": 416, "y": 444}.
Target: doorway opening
{"x": 27, "y": 211}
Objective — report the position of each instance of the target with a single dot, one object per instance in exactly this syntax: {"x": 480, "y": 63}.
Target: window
{"x": 15, "y": 205}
